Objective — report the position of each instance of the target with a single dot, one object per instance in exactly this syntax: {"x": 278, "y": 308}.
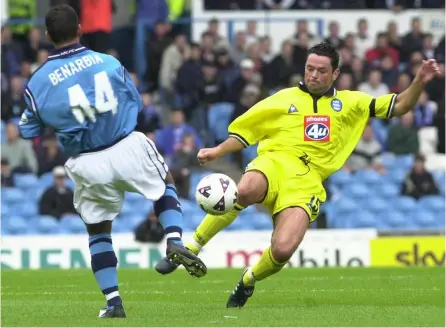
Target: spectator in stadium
{"x": 49, "y": 155}
{"x": 247, "y": 72}
{"x": 249, "y": 97}
{"x": 254, "y": 53}
{"x": 346, "y": 58}
{"x": 374, "y": 86}
{"x": 265, "y": 46}
{"x": 57, "y": 200}
{"x": 428, "y": 50}
{"x": 170, "y": 138}
{"x": 402, "y": 83}
{"x": 212, "y": 89}
{"x": 238, "y": 49}
{"x": 419, "y": 182}
{"x": 412, "y": 41}
{"x": 279, "y": 70}
{"x": 363, "y": 41}
{"x": 403, "y": 136}
{"x": 174, "y": 56}
{"x": 345, "y": 82}
{"x": 395, "y": 40}
{"x": 23, "y": 10}
{"x": 350, "y": 43}
{"x": 157, "y": 43}
{"x": 333, "y": 37}
{"x": 14, "y": 103}
{"x": 358, "y": 70}
{"x": 213, "y": 30}
{"x": 148, "y": 119}
{"x": 300, "y": 50}
{"x": 251, "y": 32}
{"x": 367, "y": 154}
{"x": 34, "y": 44}
{"x": 388, "y": 72}
{"x": 25, "y": 71}
{"x": 18, "y": 151}
{"x": 7, "y": 174}
{"x": 42, "y": 56}
{"x": 227, "y": 71}
{"x": 382, "y": 48}
{"x": 424, "y": 111}
{"x": 302, "y": 28}
{"x": 207, "y": 47}
{"x": 277, "y": 4}
{"x": 184, "y": 162}
{"x": 189, "y": 79}
{"x": 150, "y": 230}
{"x": 440, "y": 51}
{"x": 12, "y": 54}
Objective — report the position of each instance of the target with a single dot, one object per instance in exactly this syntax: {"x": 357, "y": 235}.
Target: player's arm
{"x": 30, "y": 125}
{"x": 246, "y": 130}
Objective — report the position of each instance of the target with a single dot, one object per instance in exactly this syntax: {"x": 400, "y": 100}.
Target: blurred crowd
{"x": 185, "y": 79}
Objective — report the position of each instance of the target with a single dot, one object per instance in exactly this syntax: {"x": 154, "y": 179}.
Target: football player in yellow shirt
{"x": 305, "y": 134}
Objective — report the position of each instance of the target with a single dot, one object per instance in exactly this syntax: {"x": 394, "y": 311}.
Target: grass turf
{"x": 294, "y": 297}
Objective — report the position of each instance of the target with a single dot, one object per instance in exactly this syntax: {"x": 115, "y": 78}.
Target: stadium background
{"x": 197, "y": 68}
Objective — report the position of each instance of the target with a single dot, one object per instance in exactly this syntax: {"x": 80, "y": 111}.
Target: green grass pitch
{"x": 294, "y": 297}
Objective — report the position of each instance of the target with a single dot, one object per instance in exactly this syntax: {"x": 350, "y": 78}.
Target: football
{"x": 216, "y": 194}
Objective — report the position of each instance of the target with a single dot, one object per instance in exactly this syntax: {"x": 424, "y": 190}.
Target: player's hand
{"x": 207, "y": 155}
{"x": 428, "y": 70}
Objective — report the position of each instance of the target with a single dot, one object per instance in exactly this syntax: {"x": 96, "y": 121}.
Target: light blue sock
{"x": 168, "y": 211}
{"x": 103, "y": 264}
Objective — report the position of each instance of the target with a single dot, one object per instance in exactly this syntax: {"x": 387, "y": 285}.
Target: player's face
{"x": 319, "y": 74}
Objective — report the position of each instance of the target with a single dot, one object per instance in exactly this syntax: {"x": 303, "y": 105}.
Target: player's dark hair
{"x": 327, "y": 50}
{"x": 62, "y": 24}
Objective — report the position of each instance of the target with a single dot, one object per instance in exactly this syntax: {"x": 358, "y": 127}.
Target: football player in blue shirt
{"x": 89, "y": 99}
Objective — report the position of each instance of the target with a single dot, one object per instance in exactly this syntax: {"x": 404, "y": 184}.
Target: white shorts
{"x": 103, "y": 177}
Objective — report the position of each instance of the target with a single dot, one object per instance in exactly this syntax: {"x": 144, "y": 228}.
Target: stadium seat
{"x": 368, "y": 177}
{"x": 249, "y": 154}
{"x": 46, "y": 180}
{"x": 397, "y": 220}
{"x": 375, "y": 205}
{"x": 388, "y": 160}
{"x": 427, "y": 219}
{"x": 432, "y": 203}
{"x": 218, "y": 118}
{"x": 133, "y": 197}
{"x": 396, "y": 176}
{"x": 240, "y": 224}
{"x": 2, "y": 132}
{"x": 26, "y": 181}
{"x": 404, "y": 204}
{"x": 364, "y": 219}
{"x": 195, "y": 178}
{"x": 121, "y": 226}
{"x": 404, "y": 161}
{"x": 15, "y": 225}
{"x": 128, "y": 208}
{"x": 73, "y": 224}
{"x": 356, "y": 191}
{"x": 26, "y": 209}
{"x": 12, "y": 195}
{"x": 6, "y": 211}
{"x": 439, "y": 177}
{"x": 187, "y": 206}
{"x": 341, "y": 178}
{"x": 47, "y": 224}
{"x": 388, "y": 191}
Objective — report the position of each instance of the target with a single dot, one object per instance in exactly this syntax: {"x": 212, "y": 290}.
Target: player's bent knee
{"x": 282, "y": 249}
{"x": 252, "y": 188}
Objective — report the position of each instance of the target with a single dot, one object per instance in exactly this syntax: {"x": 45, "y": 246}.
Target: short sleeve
{"x": 379, "y": 107}
{"x": 255, "y": 124}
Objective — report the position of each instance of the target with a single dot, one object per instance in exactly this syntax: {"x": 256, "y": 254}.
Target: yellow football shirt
{"x": 322, "y": 131}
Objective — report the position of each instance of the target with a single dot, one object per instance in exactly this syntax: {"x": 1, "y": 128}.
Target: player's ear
{"x": 336, "y": 74}
{"x": 79, "y": 31}
{"x": 47, "y": 36}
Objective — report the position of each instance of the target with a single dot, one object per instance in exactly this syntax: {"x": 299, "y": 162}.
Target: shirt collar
{"x": 67, "y": 51}
{"x": 329, "y": 93}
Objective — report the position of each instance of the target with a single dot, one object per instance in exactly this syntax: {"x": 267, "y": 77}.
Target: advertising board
{"x": 408, "y": 251}
{"x": 321, "y": 248}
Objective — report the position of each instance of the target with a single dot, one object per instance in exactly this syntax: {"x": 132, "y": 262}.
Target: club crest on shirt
{"x": 317, "y": 128}
{"x": 336, "y": 104}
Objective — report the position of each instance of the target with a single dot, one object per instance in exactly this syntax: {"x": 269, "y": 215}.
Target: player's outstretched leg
{"x": 291, "y": 225}
{"x": 103, "y": 264}
{"x": 251, "y": 189}
{"x": 168, "y": 211}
